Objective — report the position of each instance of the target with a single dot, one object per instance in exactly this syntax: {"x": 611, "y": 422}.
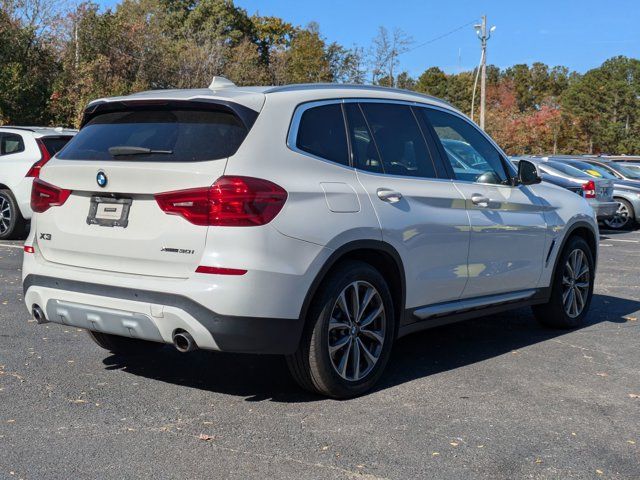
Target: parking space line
{"x": 622, "y": 240}
{"x": 11, "y": 246}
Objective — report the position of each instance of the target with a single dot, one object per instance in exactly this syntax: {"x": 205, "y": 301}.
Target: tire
{"x": 361, "y": 348}
{"x": 12, "y": 223}
{"x": 556, "y": 313}
{"x": 123, "y": 345}
{"x": 624, "y": 218}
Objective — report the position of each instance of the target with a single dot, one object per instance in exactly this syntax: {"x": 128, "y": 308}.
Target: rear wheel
{"x": 624, "y": 217}
{"x": 123, "y": 345}
{"x": 572, "y": 287}
{"x": 349, "y": 333}
{"x": 12, "y": 223}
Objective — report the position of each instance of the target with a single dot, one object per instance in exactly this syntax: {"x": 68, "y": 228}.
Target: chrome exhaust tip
{"x": 38, "y": 315}
{"x": 184, "y": 342}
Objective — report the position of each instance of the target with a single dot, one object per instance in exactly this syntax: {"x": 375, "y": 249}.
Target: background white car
{"x": 23, "y": 152}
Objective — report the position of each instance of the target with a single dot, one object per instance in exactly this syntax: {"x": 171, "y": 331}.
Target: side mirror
{"x": 528, "y": 173}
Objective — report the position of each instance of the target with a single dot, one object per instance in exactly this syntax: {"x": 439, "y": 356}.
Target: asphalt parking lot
{"x": 497, "y": 397}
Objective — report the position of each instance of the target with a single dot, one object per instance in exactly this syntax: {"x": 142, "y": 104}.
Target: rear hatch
{"x": 120, "y": 159}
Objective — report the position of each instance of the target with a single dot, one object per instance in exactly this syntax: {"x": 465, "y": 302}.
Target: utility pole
{"x": 483, "y": 35}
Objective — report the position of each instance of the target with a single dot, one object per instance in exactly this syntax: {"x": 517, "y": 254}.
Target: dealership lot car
{"x": 597, "y": 191}
{"x": 625, "y": 192}
{"x": 320, "y": 222}
{"x": 23, "y": 152}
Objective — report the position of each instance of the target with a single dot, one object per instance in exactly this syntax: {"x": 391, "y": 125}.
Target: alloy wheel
{"x": 575, "y": 283}
{"x": 5, "y": 215}
{"x": 620, "y": 219}
{"x": 356, "y": 331}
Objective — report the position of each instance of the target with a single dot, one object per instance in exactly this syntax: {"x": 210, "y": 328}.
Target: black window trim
{"x": 431, "y": 139}
{"x": 512, "y": 182}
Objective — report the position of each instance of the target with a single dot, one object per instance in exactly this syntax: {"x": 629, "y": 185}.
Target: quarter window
{"x": 399, "y": 140}
{"x": 471, "y": 155}
{"x": 321, "y": 132}
{"x": 11, "y": 143}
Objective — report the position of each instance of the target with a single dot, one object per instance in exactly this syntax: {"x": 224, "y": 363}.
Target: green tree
{"x": 307, "y": 59}
{"x": 27, "y": 70}
{"x": 605, "y": 101}
{"x": 433, "y": 82}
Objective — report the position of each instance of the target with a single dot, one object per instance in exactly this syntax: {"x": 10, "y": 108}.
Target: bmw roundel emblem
{"x": 102, "y": 180}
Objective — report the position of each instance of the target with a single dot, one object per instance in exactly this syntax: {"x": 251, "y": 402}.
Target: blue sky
{"x": 577, "y": 34}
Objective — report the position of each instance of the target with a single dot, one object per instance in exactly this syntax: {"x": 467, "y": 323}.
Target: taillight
{"x": 44, "y": 196}
{"x": 229, "y": 202}
{"x": 589, "y": 189}
{"x": 45, "y": 156}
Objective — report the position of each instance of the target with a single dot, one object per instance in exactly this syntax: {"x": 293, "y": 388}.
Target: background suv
{"x": 23, "y": 152}
{"x": 626, "y": 190}
{"x": 597, "y": 191}
{"x": 320, "y": 222}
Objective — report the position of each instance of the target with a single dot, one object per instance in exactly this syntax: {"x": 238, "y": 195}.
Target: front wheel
{"x": 572, "y": 287}
{"x": 348, "y": 335}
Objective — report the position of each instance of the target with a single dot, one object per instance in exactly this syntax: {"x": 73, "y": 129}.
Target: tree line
{"x": 54, "y": 60}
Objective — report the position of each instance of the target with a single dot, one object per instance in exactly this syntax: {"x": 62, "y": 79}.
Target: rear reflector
{"x": 44, "y": 196}
{"x": 29, "y": 249}
{"x": 220, "y": 271}
{"x": 45, "y": 156}
{"x": 589, "y": 189}
{"x": 230, "y": 202}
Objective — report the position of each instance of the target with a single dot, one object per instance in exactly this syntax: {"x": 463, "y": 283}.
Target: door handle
{"x": 390, "y": 196}
{"x": 480, "y": 200}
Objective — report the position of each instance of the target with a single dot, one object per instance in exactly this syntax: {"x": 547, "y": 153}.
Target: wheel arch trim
{"x": 343, "y": 251}
{"x": 570, "y": 230}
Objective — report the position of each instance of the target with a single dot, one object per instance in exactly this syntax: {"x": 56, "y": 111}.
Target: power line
{"x": 439, "y": 37}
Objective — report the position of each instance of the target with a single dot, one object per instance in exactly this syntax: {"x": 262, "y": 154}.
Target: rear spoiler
{"x": 246, "y": 115}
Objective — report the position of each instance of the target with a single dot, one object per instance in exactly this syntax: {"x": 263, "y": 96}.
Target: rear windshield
{"x": 54, "y": 144}
{"x": 171, "y": 135}
{"x": 566, "y": 169}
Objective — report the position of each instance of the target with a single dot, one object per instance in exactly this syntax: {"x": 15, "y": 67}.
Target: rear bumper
{"x": 604, "y": 210}
{"x": 155, "y": 316}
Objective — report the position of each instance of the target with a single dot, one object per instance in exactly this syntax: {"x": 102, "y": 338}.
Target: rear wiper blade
{"x": 127, "y": 150}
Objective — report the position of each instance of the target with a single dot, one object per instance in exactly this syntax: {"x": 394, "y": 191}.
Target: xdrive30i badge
{"x": 186, "y": 251}
{"x": 101, "y": 179}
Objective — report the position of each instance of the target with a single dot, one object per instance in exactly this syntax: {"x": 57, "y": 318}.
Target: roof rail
{"x": 26, "y": 129}
{"x": 352, "y": 86}
{"x": 220, "y": 82}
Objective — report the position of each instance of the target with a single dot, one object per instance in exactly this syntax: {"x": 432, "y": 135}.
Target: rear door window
{"x": 11, "y": 143}
{"x": 158, "y": 135}
{"x": 321, "y": 132}
{"x": 400, "y": 143}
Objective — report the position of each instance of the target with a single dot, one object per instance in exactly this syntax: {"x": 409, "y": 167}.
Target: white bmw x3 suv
{"x": 320, "y": 222}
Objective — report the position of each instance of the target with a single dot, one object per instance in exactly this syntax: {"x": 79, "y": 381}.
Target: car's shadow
{"x": 266, "y": 377}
